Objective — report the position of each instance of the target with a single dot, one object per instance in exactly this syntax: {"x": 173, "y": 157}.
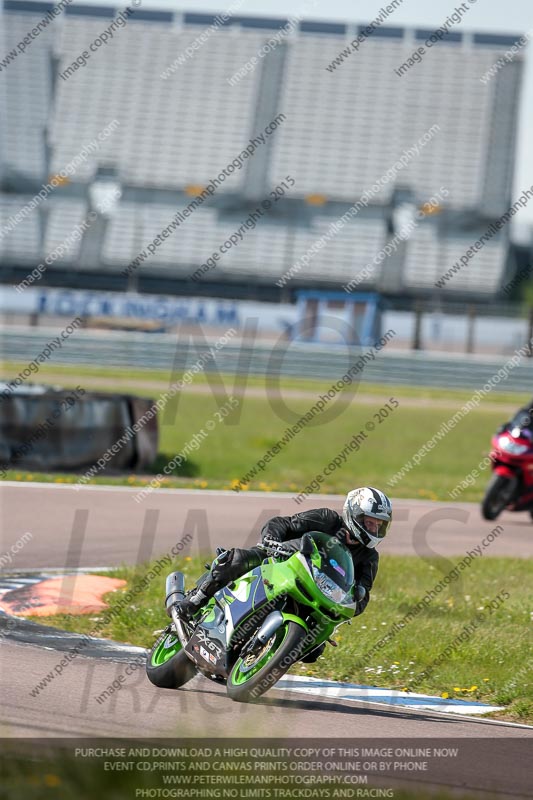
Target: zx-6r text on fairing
{"x": 252, "y": 631}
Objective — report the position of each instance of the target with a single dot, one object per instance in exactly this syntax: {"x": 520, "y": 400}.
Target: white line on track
{"x": 318, "y": 691}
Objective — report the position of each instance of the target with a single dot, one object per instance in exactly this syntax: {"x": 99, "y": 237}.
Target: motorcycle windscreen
{"x": 336, "y": 563}
{"x": 521, "y": 420}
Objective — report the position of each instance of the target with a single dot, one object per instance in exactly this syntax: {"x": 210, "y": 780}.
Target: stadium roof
{"x": 255, "y": 22}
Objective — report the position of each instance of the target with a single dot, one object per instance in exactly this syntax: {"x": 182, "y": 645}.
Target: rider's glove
{"x": 222, "y": 558}
{"x": 359, "y": 592}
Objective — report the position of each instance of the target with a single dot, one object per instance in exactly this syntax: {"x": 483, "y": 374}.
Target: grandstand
{"x": 343, "y": 129}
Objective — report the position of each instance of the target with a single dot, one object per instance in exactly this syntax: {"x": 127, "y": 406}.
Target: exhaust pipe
{"x": 175, "y": 590}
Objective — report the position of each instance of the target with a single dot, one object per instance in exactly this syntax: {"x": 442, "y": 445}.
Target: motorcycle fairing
{"x": 246, "y": 597}
{"x": 227, "y": 610}
{"x": 208, "y": 643}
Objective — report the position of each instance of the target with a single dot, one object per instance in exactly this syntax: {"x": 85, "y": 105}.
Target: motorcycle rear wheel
{"x": 258, "y": 672}
{"x": 167, "y": 665}
{"x": 498, "y": 495}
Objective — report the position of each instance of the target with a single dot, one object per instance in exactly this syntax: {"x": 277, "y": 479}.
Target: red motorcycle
{"x": 511, "y": 485}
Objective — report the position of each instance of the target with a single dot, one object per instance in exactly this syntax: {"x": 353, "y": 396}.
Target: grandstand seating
{"x": 23, "y": 242}
{"x": 26, "y": 96}
{"x": 173, "y": 132}
{"x": 183, "y": 129}
{"x": 344, "y": 129}
{"x": 64, "y": 218}
{"x": 267, "y": 252}
{"x": 430, "y": 255}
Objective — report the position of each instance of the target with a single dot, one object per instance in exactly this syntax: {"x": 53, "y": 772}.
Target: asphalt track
{"x": 68, "y": 708}
{"x": 104, "y": 526}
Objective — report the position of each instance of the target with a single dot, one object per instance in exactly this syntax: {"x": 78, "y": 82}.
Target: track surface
{"x": 202, "y": 708}
{"x": 104, "y": 526}
{"x": 98, "y": 527}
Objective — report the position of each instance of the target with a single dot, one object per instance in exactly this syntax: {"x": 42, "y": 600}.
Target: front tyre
{"x": 254, "y": 674}
{"x": 167, "y": 665}
{"x": 499, "y": 494}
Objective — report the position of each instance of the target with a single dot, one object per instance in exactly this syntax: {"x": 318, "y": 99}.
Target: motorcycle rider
{"x": 522, "y": 419}
{"x": 365, "y": 520}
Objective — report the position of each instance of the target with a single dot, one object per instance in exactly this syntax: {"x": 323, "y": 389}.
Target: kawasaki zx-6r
{"x": 252, "y": 631}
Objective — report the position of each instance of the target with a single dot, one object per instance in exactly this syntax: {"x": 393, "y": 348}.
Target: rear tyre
{"x": 498, "y": 495}
{"x": 258, "y": 672}
{"x": 167, "y": 665}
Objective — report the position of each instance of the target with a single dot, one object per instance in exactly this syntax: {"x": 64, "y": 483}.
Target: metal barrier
{"x": 163, "y": 351}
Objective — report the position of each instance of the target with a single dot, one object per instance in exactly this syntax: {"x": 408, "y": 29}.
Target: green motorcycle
{"x": 252, "y": 631}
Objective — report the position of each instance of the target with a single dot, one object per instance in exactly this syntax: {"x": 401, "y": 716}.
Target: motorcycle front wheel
{"x": 167, "y": 665}
{"x": 498, "y": 495}
{"x": 258, "y": 671}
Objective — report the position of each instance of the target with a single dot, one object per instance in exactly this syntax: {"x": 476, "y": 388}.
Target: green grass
{"x": 492, "y": 666}
{"x": 232, "y": 450}
{"x": 74, "y": 374}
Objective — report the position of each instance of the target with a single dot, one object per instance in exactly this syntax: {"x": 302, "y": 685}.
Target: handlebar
{"x": 276, "y": 548}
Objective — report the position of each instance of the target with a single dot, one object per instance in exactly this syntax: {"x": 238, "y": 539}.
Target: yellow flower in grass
{"x": 472, "y": 689}
{"x": 445, "y": 695}
{"x": 457, "y": 689}
{"x": 427, "y": 493}
{"x": 486, "y": 679}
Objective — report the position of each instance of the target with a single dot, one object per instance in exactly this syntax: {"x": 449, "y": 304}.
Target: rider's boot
{"x": 226, "y": 567}
{"x": 314, "y": 655}
{"x": 190, "y": 605}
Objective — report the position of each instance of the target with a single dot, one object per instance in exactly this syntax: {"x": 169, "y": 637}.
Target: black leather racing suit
{"x": 237, "y": 562}
{"x": 324, "y": 520}
{"x": 524, "y": 416}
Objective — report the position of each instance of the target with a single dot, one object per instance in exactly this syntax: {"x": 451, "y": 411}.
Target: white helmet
{"x": 367, "y": 502}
